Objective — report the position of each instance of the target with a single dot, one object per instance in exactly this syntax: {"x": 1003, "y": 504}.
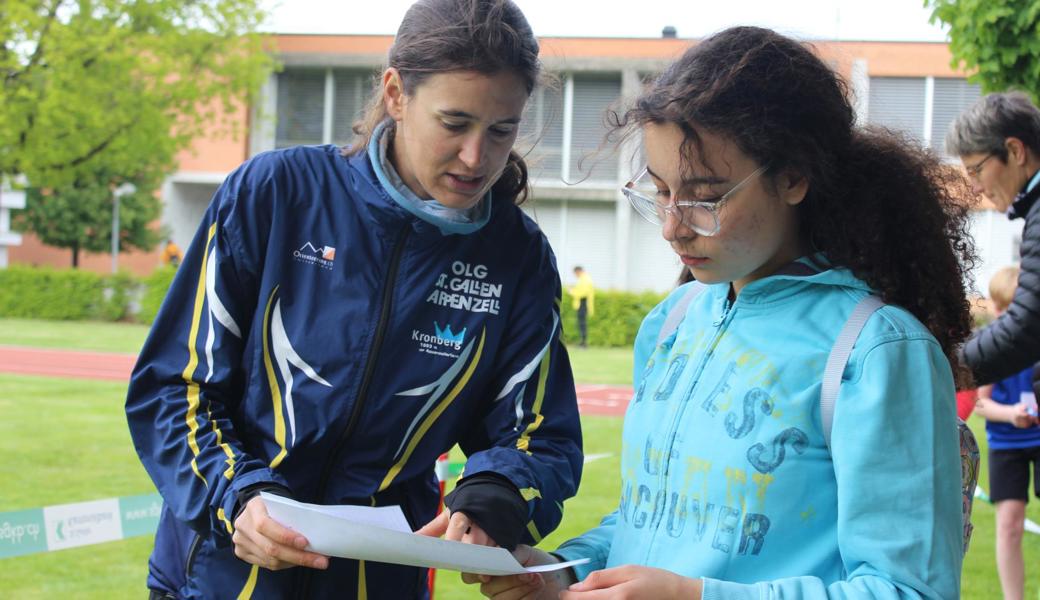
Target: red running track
{"x": 608, "y": 400}
{"x": 66, "y": 363}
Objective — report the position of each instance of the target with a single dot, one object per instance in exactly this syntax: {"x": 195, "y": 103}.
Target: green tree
{"x": 120, "y": 86}
{"x": 997, "y": 39}
{"x": 78, "y": 216}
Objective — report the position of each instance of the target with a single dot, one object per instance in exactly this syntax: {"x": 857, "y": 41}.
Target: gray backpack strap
{"x": 678, "y": 311}
{"x": 838, "y": 358}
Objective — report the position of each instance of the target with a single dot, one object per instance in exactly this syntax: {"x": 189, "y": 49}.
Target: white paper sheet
{"x": 382, "y": 534}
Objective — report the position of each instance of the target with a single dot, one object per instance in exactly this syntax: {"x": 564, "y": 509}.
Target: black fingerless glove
{"x": 494, "y": 503}
{"x": 251, "y": 491}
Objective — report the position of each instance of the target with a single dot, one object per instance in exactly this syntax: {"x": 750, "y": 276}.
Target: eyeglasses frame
{"x": 974, "y": 170}
{"x": 713, "y": 208}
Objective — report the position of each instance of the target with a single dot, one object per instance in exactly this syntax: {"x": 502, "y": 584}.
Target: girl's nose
{"x": 673, "y": 228}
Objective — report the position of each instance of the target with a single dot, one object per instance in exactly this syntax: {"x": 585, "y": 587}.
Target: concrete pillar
{"x": 631, "y": 85}
{"x": 859, "y": 80}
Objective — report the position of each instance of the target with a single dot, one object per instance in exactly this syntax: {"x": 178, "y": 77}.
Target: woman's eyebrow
{"x": 461, "y": 114}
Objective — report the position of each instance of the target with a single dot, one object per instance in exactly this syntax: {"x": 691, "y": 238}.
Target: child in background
{"x": 1009, "y": 408}
{"x": 171, "y": 254}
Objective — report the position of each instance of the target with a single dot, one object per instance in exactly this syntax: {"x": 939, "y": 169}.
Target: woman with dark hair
{"x": 343, "y": 317}
{"x": 790, "y": 216}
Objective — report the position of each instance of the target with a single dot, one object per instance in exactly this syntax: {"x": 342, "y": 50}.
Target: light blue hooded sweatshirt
{"x": 725, "y": 474}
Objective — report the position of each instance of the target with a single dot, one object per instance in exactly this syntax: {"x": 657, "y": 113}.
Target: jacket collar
{"x": 1026, "y": 198}
{"x": 790, "y": 280}
{"x": 447, "y": 220}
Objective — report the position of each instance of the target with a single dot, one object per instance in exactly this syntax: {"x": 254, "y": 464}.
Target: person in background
{"x": 583, "y": 294}
{"x": 171, "y": 254}
{"x": 998, "y": 142}
{"x": 1009, "y": 408}
{"x": 344, "y": 316}
{"x": 775, "y": 201}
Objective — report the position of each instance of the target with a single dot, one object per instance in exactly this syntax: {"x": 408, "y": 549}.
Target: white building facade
{"x": 576, "y": 176}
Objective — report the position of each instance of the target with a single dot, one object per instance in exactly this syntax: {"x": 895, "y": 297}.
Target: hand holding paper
{"x": 530, "y": 586}
{"x": 456, "y": 527}
{"x": 260, "y": 540}
{"x": 383, "y": 535}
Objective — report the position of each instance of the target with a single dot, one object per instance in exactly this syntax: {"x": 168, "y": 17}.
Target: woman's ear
{"x": 393, "y": 94}
{"x": 792, "y": 187}
{"x": 1016, "y": 150}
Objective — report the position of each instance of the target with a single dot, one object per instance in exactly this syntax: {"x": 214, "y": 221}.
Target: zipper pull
{"x": 723, "y": 313}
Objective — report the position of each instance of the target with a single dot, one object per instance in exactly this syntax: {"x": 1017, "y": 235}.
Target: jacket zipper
{"x": 720, "y": 324}
{"x": 366, "y": 381}
{"x": 193, "y": 550}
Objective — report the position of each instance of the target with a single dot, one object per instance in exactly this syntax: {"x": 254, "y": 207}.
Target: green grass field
{"x": 602, "y": 365}
{"x": 66, "y": 441}
{"x": 73, "y": 335}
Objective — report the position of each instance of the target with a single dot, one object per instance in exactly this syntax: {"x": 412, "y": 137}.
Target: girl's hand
{"x": 526, "y": 586}
{"x": 260, "y": 540}
{"x": 631, "y": 581}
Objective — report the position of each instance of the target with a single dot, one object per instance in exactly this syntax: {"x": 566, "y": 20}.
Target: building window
{"x": 563, "y": 130}
{"x": 952, "y": 97}
{"x": 590, "y": 158}
{"x": 561, "y": 134}
{"x": 352, "y": 90}
{"x": 301, "y": 106}
{"x": 319, "y": 106}
{"x": 540, "y": 140}
{"x": 923, "y": 107}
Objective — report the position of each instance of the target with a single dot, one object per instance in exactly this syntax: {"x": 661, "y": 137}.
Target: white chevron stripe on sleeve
{"x": 436, "y": 390}
{"x": 520, "y": 406}
{"x": 284, "y": 354}
{"x": 216, "y": 307}
{"x": 525, "y": 373}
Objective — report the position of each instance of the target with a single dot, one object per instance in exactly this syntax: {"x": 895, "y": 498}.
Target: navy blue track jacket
{"x": 320, "y": 337}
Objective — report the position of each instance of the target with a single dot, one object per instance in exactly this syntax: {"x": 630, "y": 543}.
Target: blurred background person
{"x": 584, "y": 302}
{"x": 998, "y": 142}
{"x": 171, "y": 254}
{"x": 1009, "y": 408}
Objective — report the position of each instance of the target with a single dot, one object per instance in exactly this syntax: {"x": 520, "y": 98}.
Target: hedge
{"x": 616, "y": 319}
{"x": 45, "y": 293}
{"x": 155, "y": 287}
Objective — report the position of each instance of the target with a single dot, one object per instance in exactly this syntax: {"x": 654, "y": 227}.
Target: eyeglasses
{"x": 974, "y": 170}
{"x": 701, "y": 216}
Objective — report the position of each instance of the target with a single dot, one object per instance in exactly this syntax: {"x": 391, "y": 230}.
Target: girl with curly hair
{"x": 790, "y": 215}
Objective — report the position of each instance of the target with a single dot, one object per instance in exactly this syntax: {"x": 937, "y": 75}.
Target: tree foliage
{"x": 78, "y": 216}
{"x": 999, "y": 40}
{"x": 120, "y": 86}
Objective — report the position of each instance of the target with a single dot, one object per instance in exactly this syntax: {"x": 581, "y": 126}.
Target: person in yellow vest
{"x": 171, "y": 254}
{"x": 584, "y": 295}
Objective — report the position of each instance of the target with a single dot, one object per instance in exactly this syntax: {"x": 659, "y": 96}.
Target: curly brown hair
{"x": 877, "y": 204}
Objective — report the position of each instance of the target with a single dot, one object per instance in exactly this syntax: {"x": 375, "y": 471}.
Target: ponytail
{"x": 513, "y": 183}
{"x": 374, "y": 113}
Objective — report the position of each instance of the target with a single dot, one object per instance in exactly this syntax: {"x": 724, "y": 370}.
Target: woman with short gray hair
{"x": 998, "y": 142}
